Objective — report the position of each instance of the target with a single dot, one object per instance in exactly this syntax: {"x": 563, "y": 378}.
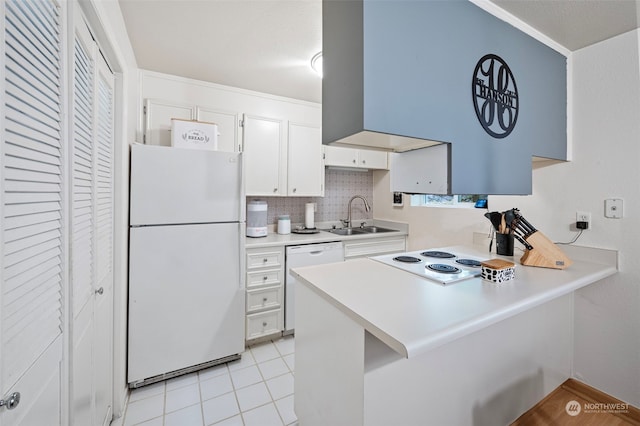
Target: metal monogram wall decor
{"x": 495, "y": 96}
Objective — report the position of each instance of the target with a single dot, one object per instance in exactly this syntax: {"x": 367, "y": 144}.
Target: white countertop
{"x": 413, "y": 315}
{"x": 274, "y": 239}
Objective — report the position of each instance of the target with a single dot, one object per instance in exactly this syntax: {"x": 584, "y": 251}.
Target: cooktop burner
{"x": 438, "y": 254}
{"x": 437, "y": 264}
{"x": 444, "y": 269}
{"x": 469, "y": 262}
{"x": 407, "y": 259}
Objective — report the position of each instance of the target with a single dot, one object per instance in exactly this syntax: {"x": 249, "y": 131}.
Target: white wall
{"x": 607, "y": 153}
{"x": 605, "y": 107}
{"x": 429, "y": 227}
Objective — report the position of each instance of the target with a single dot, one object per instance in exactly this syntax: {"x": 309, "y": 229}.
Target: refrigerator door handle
{"x": 242, "y": 255}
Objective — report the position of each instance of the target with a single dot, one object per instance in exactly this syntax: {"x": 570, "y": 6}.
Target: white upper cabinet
{"x": 372, "y": 159}
{"x": 305, "y": 169}
{"x": 228, "y": 126}
{"x": 264, "y": 149}
{"x": 338, "y": 156}
{"x": 158, "y": 115}
{"x": 280, "y": 138}
{"x": 281, "y": 159}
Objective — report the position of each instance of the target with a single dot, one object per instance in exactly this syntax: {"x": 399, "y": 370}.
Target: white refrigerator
{"x": 186, "y": 251}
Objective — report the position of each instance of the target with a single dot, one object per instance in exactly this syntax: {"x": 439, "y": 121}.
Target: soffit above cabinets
{"x": 445, "y": 72}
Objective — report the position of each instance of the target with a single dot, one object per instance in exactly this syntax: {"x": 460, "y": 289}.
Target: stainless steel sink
{"x": 359, "y": 231}
{"x": 374, "y": 229}
{"x": 347, "y": 231}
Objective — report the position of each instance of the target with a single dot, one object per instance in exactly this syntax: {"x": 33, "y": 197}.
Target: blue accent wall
{"x": 418, "y": 68}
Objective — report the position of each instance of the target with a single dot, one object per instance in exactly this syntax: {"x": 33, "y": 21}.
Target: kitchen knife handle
{"x": 524, "y": 243}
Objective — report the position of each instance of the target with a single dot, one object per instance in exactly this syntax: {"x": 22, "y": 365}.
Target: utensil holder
{"x": 504, "y": 244}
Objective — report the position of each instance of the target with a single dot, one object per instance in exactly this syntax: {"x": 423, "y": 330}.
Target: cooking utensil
{"x": 495, "y": 218}
{"x": 509, "y": 217}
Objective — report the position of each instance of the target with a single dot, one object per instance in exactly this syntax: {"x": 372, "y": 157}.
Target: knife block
{"x": 544, "y": 253}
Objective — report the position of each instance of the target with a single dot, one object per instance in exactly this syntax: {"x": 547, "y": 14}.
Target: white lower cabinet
{"x": 374, "y": 247}
{"x": 264, "y": 324}
{"x": 265, "y": 277}
{"x": 264, "y": 298}
{"x": 265, "y": 292}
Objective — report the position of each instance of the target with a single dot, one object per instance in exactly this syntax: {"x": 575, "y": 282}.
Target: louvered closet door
{"x": 82, "y": 226}
{"x": 104, "y": 209}
{"x": 32, "y": 212}
{"x": 91, "y": 244}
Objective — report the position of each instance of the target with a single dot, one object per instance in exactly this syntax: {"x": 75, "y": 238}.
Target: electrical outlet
{"x": 584, "y": 217}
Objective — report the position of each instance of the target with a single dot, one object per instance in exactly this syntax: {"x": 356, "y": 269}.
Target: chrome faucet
{"x": 366, "y": 208}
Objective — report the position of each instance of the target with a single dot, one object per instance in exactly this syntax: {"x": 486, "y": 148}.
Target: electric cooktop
{"x": 443, "y": 267}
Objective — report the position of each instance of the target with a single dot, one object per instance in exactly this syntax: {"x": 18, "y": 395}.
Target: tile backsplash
{"x": 340, "y": 186}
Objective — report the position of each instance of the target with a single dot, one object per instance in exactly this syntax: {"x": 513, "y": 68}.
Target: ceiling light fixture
{"x": 316, "y": 63}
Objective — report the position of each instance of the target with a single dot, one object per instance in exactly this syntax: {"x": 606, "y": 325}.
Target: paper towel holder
{"x": 309, "y": 213}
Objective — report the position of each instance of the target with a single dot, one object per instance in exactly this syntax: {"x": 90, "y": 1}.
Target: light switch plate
{"x": 613, "y": 208}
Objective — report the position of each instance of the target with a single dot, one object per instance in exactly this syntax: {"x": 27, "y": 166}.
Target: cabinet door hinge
{"x": 144, "y": 109}
{"x": 241, "y": 123}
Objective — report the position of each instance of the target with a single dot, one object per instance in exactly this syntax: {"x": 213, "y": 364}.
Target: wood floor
{"x": 588, "y": 406}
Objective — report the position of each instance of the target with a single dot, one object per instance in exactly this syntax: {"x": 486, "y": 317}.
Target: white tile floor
{"x": 256, "y": 390}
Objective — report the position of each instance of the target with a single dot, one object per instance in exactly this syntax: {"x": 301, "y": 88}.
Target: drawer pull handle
{"x": 264, "y": 299}
{"x": 265, "y": 278}
{"x": 264, "y": 323}
{"x": 265, "y": 260}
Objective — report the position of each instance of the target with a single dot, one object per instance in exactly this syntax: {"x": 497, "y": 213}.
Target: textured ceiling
{"x": 575, "y": 23}
{"x": 266, "y": 45}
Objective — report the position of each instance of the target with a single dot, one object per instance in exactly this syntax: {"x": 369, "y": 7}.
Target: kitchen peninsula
{"x": 379, "y": 346}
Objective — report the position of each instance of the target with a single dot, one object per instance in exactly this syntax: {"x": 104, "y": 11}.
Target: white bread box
{"x": 194, "y": 134}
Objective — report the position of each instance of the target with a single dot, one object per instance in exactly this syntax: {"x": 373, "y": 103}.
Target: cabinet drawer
{"x": 264, "y": 323}
{"x": 266, "y": 277}
{"x": 264, "y": 298}
{"x": 374, "y": 247}
{"x": 265, "y": 259}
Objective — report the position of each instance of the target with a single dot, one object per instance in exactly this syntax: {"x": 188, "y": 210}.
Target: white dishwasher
{"x": 305, "y": 255}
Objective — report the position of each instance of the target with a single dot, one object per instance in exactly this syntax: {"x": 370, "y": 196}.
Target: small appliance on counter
{"x": 257, "y": 218}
